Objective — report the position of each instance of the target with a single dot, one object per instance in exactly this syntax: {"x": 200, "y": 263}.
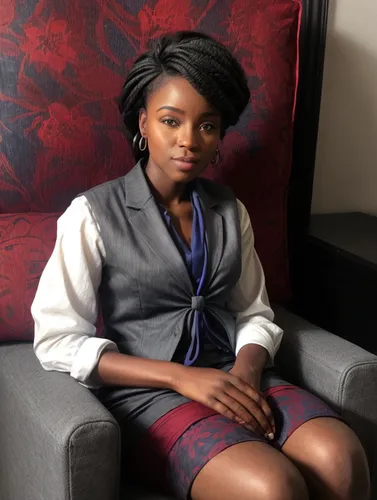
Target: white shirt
{"x": 66, "y": 303}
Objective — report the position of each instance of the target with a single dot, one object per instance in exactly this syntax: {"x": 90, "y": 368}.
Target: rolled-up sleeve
{"x": 249, "y": 300}
{"x": 65, "y": 307}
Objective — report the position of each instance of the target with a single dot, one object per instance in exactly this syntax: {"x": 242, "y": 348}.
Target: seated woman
{"x": 186, "y": 361}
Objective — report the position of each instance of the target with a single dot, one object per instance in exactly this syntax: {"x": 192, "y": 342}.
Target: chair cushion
{"x": 62, "y": 65}
{"x": 26, "y": 243}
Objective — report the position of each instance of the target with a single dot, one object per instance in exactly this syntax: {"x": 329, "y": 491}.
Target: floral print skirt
{"x": 183, "y": 441}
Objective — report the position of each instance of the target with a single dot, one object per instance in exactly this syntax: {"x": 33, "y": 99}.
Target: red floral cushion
{"x": 26, "y": 243}
{"x": 62, "y": 64}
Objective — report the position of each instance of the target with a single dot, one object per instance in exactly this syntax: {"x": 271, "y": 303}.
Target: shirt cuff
{"x": 255, "y": 334}
{"x": 87, "y": 358}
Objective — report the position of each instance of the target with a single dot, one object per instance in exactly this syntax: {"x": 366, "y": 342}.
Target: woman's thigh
{"x": 251, "y": 470}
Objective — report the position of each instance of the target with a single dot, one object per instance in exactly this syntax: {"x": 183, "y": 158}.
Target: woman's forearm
{"x": 252, "y": 357}
{"x": 120, "y": 369}
{"x": 217, "y": 389}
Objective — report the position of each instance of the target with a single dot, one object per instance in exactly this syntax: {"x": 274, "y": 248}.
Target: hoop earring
{"x": 217, "y": 159}
{"x": 143, "y": 146}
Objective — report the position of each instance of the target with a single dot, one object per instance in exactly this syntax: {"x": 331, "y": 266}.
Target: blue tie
{"x": 199, "y": 266}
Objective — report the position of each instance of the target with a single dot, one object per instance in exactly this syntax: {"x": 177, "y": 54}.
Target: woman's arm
{"x": 120, "y": 369}
{"x": 65, "y": 306}
{"x": 257, "y": 337}
{"x": 224, "y": 392}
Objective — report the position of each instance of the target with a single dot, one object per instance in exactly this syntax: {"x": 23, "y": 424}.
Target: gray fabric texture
{"x": 339, "y": 372}
{"x": 57, "y": 442}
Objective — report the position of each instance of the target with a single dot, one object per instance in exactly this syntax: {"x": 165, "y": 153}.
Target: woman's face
{"x": 182, "y": 129}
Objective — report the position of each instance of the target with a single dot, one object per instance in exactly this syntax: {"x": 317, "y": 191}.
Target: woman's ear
{"x": 143, "y": 122}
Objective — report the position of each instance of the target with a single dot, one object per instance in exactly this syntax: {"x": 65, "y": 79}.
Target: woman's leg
{"x": 331, "y": 459}
{"x": 249, "y": 471}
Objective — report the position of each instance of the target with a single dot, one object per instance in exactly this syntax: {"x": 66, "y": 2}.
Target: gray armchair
{"x": 58, "y": 442}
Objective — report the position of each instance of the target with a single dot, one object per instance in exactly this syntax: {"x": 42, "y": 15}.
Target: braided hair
{"x": 206, "y": 64}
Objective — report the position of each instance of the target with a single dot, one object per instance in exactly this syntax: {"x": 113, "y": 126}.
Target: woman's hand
{"x": 229, "y": 395}
{"x": 253, "y": 379}
{"x": 250, "y": 376}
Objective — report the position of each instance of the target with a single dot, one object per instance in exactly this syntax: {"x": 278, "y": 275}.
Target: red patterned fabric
{"x": 62, "y": 64}
{"x": 180, "y": 443}
{"x": 26, "y": 243}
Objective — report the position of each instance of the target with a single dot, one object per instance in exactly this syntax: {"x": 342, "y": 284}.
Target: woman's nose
{"x": 187, "y": 138}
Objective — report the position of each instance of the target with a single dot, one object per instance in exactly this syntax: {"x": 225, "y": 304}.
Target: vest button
{"x": 198, "y": 303}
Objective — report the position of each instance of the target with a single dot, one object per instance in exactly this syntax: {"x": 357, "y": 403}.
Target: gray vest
{"x": 146, "y": 293}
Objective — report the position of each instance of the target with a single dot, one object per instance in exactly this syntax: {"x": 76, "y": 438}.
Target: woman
{"x": 186, "y": 362}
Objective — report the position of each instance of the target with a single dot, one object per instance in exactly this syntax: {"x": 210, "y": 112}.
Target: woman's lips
{"x": 185, "y": 164}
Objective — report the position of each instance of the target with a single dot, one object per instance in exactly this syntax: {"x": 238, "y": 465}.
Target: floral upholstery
{"x": 62, "y": 64}
{"x": 26, "y": 242}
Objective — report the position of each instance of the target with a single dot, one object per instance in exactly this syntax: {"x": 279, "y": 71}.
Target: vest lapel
{"x": 145, "y": 217}
{"x": 214, "y": 224}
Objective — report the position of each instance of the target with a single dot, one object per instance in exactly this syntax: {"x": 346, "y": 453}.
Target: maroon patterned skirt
{"x": 180, "y": 443}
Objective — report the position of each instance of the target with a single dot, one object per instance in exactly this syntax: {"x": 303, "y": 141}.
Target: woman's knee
{"x": 250, "y": 471}
{"x": 284, "y": 482}
{"x": 331, "y": 458}
{"x": 343, "y": 459}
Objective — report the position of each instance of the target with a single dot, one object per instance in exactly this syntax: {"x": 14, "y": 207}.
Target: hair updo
{"x": 206, "y": 64}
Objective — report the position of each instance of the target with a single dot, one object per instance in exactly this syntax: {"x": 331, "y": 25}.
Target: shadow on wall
{"x": 346, "y": 166}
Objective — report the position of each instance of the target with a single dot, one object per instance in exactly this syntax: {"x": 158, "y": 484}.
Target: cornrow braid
{"x": 205, "y": 63}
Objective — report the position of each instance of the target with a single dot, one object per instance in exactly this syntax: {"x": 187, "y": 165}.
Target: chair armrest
{"x": 339, "y": 372}
{"x": 57, "y": 440}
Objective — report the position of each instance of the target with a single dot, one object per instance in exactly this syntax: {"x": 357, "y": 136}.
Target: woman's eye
{"x": 170, "y": 122}
{"x": 207, "y": 127}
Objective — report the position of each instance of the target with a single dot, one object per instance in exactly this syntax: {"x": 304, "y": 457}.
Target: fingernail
{"x": 269, "y": 436}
